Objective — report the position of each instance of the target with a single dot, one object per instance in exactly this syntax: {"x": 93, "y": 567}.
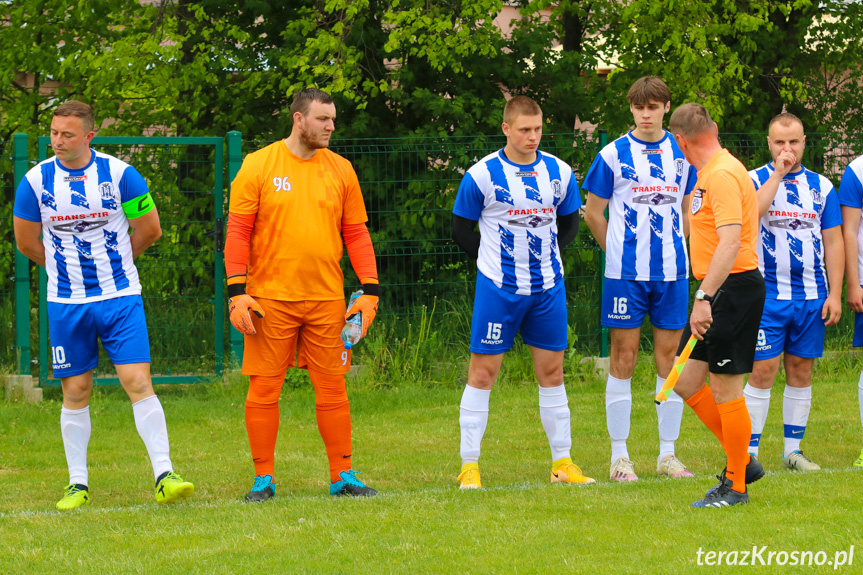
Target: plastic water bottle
{"x": 353, "y": 330}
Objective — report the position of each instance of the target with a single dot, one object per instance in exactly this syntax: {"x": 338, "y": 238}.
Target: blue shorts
{"x": 858, "y": 330}
{"x": 498, "y": 315}
{"x": 626, "y": 302}
{"x": 794, "y": 326}
{"x": 118, "y": 322}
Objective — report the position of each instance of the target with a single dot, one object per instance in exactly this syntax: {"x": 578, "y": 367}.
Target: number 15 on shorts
{"x": 493, "y": 331}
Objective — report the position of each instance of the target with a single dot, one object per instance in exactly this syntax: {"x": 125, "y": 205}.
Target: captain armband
{"x": 137, "y": 207}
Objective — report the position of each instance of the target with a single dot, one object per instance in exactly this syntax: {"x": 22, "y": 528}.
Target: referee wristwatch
{"x": 701, "y": 295}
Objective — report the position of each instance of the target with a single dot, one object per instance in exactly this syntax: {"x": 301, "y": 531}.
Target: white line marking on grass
{"x": 522, "y": 486}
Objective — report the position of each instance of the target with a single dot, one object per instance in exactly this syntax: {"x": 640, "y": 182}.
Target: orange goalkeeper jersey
{"x": 300, "y": 206}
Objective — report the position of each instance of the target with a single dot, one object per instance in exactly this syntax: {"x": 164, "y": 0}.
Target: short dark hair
{"x": 79, "y": 110}
{"x": 786, "y": 119}
{"x": 690, "y": 120}
{"x": 518, "y": 106}
{"x": 303, "y": 100}
{"x": 646, "y": 89}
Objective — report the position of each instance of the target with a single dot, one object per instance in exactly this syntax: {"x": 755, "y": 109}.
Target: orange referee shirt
{"x": 724, "y": 194}
{"x": 301, "y": 206}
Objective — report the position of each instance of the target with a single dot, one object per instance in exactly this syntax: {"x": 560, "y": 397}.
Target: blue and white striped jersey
{"x": 517, "y": 207}
{"x": 644, "y": 183}
{"x": 88, "y": 253}
{"x": 790, "y": 247}
{"x": 851, "y": 195}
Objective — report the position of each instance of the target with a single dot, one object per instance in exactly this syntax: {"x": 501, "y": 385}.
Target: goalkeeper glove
{"x": 367, "y": 304}
{"x": 238, "y": 307}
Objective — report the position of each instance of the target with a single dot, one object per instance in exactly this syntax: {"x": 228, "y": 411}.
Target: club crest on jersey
{"x": 816, "y": 196}
{"x": 697, "y": 200}
{"x": 678, "y": 166}
{"x": 557, "y": 190}
{"x": 106, "y": 190}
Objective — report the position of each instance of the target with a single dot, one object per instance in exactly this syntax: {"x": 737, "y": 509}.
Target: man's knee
{"x": 624, "y": 352}
{"x": 550, "y": 375}
{"x": 483, "y": 371}
{"x": 330, "y": 389}
{"x": 265, "y": 389}
{"x": 137, "y": 382}
{"x": 77, "y": 390}
{"x": 764, "y": 373}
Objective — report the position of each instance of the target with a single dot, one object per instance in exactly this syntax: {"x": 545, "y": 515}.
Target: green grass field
{"x": 406, "y": 445}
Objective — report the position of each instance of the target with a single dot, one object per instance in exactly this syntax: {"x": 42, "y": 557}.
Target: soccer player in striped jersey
{"x": 802, "y": 257}
{"x": 82, "y": 203}
{"x": 851, "y": 200}
{"x": 644, "y": 181}
{"x": 526, "y": 203}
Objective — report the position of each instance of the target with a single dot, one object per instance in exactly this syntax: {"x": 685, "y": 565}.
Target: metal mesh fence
{"x": 176, "y": 273}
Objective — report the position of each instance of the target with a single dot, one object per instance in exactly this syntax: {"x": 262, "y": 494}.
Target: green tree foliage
{"x": 745, "y": 60}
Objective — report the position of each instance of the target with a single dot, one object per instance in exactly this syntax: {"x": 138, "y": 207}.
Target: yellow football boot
{"x": 74, "y": 496}
{"x": 469, "y": 476}
{"x": 565, "y": 471}
{"x": 171, "y": 488}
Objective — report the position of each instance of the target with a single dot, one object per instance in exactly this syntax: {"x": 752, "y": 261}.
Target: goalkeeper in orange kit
{"x": 292, "y": 204}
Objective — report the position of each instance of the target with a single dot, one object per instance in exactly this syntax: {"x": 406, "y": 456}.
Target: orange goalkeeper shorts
{"x": 312, "y": 326}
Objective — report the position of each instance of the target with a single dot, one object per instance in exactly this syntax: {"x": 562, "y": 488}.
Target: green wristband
{"x": 137, "y": 207}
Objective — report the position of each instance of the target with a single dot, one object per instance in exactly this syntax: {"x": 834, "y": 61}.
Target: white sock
{"x": 472, "y": 420}
{"x": 150, "y": 421}
{"x": 796, "y": 403}
{"x": 618, "y": 409}
{"x": 860, "y": 396}
{"x": 758, "y": 404}
{"x": 75, "y": 429}
{"x": 554, "y": 414}
{"x": 669, "y": 413}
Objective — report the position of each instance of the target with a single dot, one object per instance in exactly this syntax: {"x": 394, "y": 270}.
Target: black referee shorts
{"x": 729, "y": 345}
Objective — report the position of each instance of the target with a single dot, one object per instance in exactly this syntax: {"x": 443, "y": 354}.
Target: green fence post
{"x": 42, "y": 150}
{"x": 22, "y": 269}
{"x": 600, "y": 274}
{"x": 220, "y": 259}
{"x": 235, "y": 160}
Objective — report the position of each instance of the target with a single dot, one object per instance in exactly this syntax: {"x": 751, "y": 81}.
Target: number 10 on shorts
{"x": 58, "y": 355}
{"x": 493, "y": 331}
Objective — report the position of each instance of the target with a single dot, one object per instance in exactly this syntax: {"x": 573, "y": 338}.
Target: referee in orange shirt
{"x": 727, "y": 309}
{"x": 292, "y": 204}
